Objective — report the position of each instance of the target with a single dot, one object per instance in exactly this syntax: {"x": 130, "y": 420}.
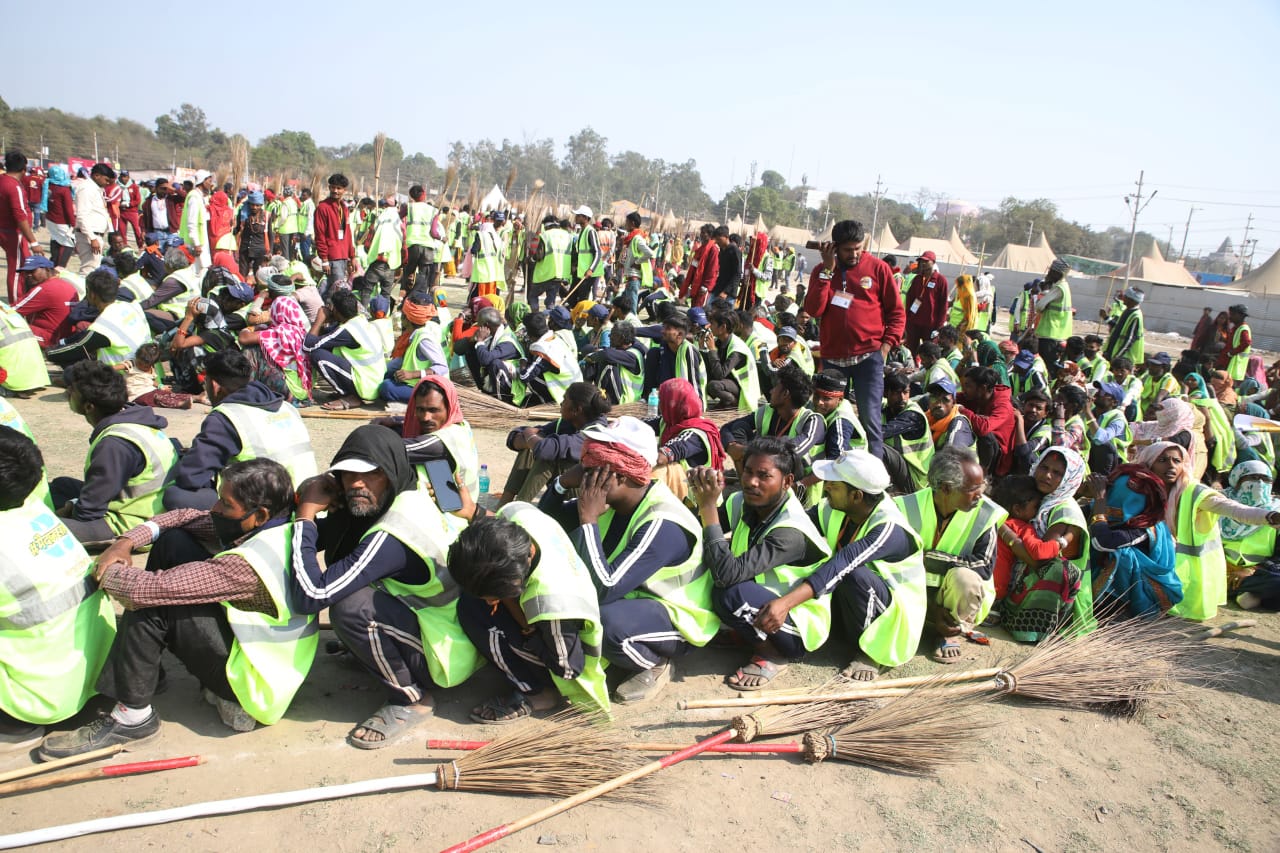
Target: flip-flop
{"x": 505, "y": 711}
{"x": 759, "y": 667}
{"x": 943, "y": 644}
{"x": 393, "y": 722}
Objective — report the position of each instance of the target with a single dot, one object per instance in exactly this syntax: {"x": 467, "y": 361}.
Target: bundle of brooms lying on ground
{"x": 908, "y": 725}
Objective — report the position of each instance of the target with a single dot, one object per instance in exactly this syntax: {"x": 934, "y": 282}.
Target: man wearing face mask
{"x": 226, "y": 617}
{"x": 392, "y": 601}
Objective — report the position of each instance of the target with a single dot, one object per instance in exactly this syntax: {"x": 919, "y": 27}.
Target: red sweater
{"x": 13, "y": 203}
{"x": 47, "y": 308}
{"x": 1037, "y": 547}
{"x": 331, "y": 219}
{"x": 996, "y": 419}
{"x": 873, "y": 317}
{"x": 62, "y": 206}
{"x": 933, "y": 301}
{"x": 704, "y": 275}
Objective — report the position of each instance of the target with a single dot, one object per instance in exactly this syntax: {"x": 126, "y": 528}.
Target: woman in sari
{"x": 964, "y": 308}
{"x": 276, "y": 351}
{"x": 1058, "y": 590}
{"x": 987, "y": 353}
{"x": 686, "y": 439}
{"x": 1132, "y": 563}
{"x": 1192, "y": 515}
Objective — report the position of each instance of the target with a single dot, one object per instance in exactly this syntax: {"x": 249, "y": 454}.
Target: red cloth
{"x": 331, "y": 219}
{"x": 172, "y": 209}
{"x": 995, "y": 418}
{"x": 874, "y": 317}
{"x": 1039, "y": 548}
{"x": 412, "y": 428}
{"x": 1246, "y": 341}
{"x": 35, "y": 189}
{"x": 62, "y": 206}
{"x": 621, "y": 460}
{"x": 1147, "y": 484}
{"x": 47, "y": 308}
{"x": 13, "y": 204}
{"x": 227, "y": 260}
{"x": 680, "y": 408}
{"x": 219, "y": 217}
{"x": 933, "y": 301}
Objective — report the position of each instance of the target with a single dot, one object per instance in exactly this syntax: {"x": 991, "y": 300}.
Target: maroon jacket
{"x": 873, "y": 316}
{"x": 62, "y": 206}
{"x": 171, "y": 208}
{"x": 932, "y": 294}
{"x": 332, "y": 219}
{"x": 995, "y": 419}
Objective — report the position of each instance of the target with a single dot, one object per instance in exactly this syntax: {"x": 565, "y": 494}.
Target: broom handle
{"x": 85, "y": 773}
{"x": 1209, "y": 633}
{"x": 216, "y": 807}
{"x": 486, "y": 838}
{"x": 909, "y": 681}
{"x": 70, "y": 760}
{"x": 645, "y": 746}
{"x": 847, "y": 696}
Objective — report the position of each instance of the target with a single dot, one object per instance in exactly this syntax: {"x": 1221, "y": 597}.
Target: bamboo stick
{"x": 647, "y": 746}
{"x": 69, "y": 761}
{"x": 847, "y": 696}
{"x": 85, "y": 773}
{"x": 1210, "y": 633}
{"x": 908, "y": 681}
{"x": 500, "y": 832}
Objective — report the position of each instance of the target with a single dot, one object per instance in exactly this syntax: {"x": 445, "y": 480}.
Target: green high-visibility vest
{"x": 558, "y": 381}
{"x": 138, "y": 286}
{"x": 1151, "y": 387}
{"x": 764, "y": 424}
{"x": 747, "y": 376}
{"x": 813, "y": 617}
{"x": 582, "y": 257}
{"x": 764, "y": 276}
{"x": 962, "y": 533}
{"x": 1083, "y": 620}
{"x": 892, "y": 637}
{"x": 367, "y": 360}
{"x": 1240, "y": 361}
{"x": 287, "y": 221}
{"x": 460, "y": 443}
{"x": 916, "y": 452}
{"x": 124, "y": 325}
{"x": 1224, "y": 448}
{"x": 1253, "y": 549}
{"x": 280, "y": 435}
{"x": 489, "y": 263}
{"x": 1137, "y": 350}
{"x": 1055, "y": 320}
{"x": 20, "y": 353}
{"x": 844, "y": 412}
{"x": 689, "y": 365}
{"x": 417, "y": 522}
{"x": 430, "y": 330}
{"x": 802, "y": 356}
{"x": 1120, "y": 443}
{"x": 12, "y": 418}
{"x": 554, "y": 265}
{"x": 56, "y": 627}
{"x": 307, "y": 217}
{"x": 560, "y": 588}
{"x": 1199, "y": 560}
{"x": 271, "y": 654}
{"x": 684, "y": 589}
{"x": 177, "y": 305}
{"x": 142, "y": 495}
{"x": 644, "y": 265}
{"x": 417, "y": 224}
{"x": 632, "y": 384}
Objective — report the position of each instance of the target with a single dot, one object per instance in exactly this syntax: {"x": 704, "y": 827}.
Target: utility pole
{"x": 95, "y": 146}
{"x": 1182, "y": 253}
{"x": 1030, "y": 227}
{"x": 875, "y": 215}
{"x": 1135, "y": 204}
{"x": 1244, "y": 245}
{"x": 747, "y": 194}
{"x": 1170, "y": 242}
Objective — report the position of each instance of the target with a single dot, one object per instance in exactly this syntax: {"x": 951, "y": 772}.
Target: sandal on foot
{"x": 948, "y": 650}
{"x": 393, "y": 722}
{"x": 646, "y": 684}
{"x": 861, "y": 671}
{"x": 339, "y": 405}
{"x": 759, "y": 668}
{"x": 502, "y": 712}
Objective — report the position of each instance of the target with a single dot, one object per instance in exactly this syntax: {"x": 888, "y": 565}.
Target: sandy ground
{"x": 1199, "y": 771}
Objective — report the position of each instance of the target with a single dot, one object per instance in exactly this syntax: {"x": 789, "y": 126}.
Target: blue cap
{"x": 1111, "y": 389}
{"x": 380, "y": 305}
{"x": 698, "y": 316}
{"x": 240, "y": 291}
{"x": 36, "y": 262}
{"x": 1160, "y": 358}
{"x": 560, "y": 315}
{"x": 788, "y": 332}
{"x": 1024, "y": 359}
{"x": 600, "y": 312}
{"x": 944, "y": 384}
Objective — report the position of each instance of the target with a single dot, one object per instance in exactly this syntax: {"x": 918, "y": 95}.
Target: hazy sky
{"x": 975, "y": 100}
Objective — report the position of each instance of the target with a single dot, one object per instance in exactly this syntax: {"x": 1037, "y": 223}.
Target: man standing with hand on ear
{"x": 855, "y": 299}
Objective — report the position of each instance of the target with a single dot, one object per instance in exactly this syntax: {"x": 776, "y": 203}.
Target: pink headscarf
{"x": 1174, "y": 416}
{"x": 282, "y": 340}
{"x": 1150, "y": 454}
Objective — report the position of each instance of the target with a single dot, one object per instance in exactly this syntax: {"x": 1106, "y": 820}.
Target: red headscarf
{"x": 621, "y": 460}
{"x": 1151, "y": 487}
{"x": 219, "y": 216}
{"x": 681, "y": 409}
{"x": 453, "y": 409}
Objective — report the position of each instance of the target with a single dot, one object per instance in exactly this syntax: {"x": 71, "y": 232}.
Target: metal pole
{"x": 1244, "y": 245}
{"x": 1030, "y": 225}
{"x": 1182, "y": 253}
{"x": 875, "y": 217}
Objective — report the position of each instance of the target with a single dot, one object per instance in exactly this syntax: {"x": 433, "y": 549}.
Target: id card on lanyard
{"x": 841, "y": 298}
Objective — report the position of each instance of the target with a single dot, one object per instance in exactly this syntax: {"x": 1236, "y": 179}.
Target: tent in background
{"x": 884, "y": 241}
{"x": 1263, "y": 281}
{"x": 794, "y": 236}
{"x": 947, "y": 253}
{"x": 1034, "y": 258}
{"x": 494, "y": 200}
{"x": 1154, "y": 268}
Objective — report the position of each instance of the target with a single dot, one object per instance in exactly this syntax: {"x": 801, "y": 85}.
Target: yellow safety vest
{"x": 747, "y": 376}
{"x": 124, "y": 324}
{"x": 556, "y": 243}
{"x": 272, "y": 654}
{"x": 1199, "y": 560}
{"x": 460, "y": 442}
{"x": 143, "y": 494}
{"x": 367, "y": 359}
{"x": 280, "y": 435}
{"x": 20, "y": 353}
{"x": 177, "y": 305}
{"x": 916, "y": 452}
{"x": 1240, "y": 361}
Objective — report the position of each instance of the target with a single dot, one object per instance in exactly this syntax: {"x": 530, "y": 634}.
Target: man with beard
{"x": 392, "y": 603}
{"x": 227, "y": 617}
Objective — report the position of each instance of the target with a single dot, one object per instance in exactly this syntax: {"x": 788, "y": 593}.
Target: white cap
{"x": 631, "y": 433}
{"x": 856, "y": 468}
{"x": 583, "y": 211}
{"x": 201, "y": 176}
{"x": 353, "y": 465}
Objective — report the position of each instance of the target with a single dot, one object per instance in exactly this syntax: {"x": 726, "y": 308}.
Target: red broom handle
{"x": 641, "y": 746}
{"x": 486, "y": 838}
{"x": 152, "y": 766}
{"x": 83, "y": 774}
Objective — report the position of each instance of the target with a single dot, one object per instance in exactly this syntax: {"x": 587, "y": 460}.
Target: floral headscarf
{"x": 282, "y": 340}
{"x": 1255, "y": 493}
{"x": 1071, "y": 480}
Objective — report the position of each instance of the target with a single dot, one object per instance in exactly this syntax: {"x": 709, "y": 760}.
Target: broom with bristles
{"x": 239, "y": 160}
{"x": 791, "y": 748}
{"x": 552, "y": 757}
{"x": 785, "y": 719}
{"x": 915, "y": 733}
{"x": 379, "y": 145}
{"x": 473, "y": 194}
{"x": 450, "y": 180}
{"x": 511, "y": 181}
{"x": 318, "y": 181}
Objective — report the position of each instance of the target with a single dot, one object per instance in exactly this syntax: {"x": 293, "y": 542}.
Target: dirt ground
{"x": 1201, "y": 771}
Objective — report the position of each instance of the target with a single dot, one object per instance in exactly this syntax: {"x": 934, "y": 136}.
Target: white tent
{"x": 794, "y": 236}
{"x": 946, "y": 253}
{"x": 494, "y": 200}
{"x": 1263, "y": 281}
{"x": 1154, "y": 268}
{"x": 958, "y": 245}
{"x": 884, "y": 242}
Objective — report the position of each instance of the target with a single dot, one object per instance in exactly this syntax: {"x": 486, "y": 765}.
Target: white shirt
{"x": 91, "y": 208}
{"x": 159, "y": 213}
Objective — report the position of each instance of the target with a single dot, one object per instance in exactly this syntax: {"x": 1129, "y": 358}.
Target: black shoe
{"x": 104, "y": 731}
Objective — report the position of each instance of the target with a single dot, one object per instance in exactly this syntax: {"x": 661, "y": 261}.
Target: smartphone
{"x": 440, "y": 475}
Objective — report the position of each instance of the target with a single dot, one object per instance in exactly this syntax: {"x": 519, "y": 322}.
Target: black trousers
{"x": 725, "y": 392}
{"x": 858, "y": 600}
{"x": 62, "y": 490}
{"x": 638, "y": 634}
{"x": 497, "y": 636}
{"x": 900, "y": 474}
{"x": 419, "y": 271}
{"x": 384, "y": 635}
{"x": 197, "y": 634}
{"x": 1048, "y": 350}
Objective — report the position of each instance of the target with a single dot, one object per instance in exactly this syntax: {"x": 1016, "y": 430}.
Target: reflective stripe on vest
{"x": 124, "y": 325}
{"x": 278, "y": 435}
{"x": 190, "y": 288}
{"x": 12, "y": 332}
{"x": 36, "y": 609}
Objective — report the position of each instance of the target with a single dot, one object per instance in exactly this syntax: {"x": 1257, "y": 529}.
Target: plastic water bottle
{"x": 484, "y": 479}
{"x": 653, "y": 403}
